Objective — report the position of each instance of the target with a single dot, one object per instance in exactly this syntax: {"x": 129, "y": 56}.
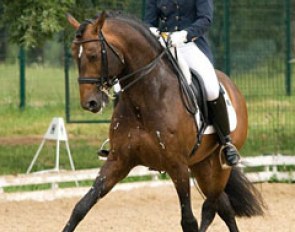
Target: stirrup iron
{"x": 222, "y": 158}
{"x": 103, "y": 153}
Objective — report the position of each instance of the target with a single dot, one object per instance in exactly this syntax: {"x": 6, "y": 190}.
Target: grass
{"x": 271, "y": 117}
{"x": 21, "y": 131}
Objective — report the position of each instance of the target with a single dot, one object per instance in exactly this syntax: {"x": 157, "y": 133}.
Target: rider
{"x": 188, "y": 21}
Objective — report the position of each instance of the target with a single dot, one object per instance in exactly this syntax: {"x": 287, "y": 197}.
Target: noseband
{"x": 104, "y": 81}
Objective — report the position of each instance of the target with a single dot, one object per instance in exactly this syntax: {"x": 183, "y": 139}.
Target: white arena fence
{"x": 272, "y": 168}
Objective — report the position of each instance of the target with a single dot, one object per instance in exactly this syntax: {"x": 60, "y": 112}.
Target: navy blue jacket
{"x": 194, "y": 16}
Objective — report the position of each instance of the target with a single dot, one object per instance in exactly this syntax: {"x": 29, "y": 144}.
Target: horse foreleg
{"x": 180, "y": 178}
{"x": 111, "y": 173}
{"x": 226, "y": 212}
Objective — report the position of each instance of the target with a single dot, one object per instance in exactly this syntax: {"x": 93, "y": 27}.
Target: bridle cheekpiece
{"x": 104, "y": 81}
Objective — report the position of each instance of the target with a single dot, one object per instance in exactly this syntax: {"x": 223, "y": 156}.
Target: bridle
{"x": 104, "y": 81}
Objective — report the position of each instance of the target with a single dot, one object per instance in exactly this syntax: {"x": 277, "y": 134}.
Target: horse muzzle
{"x": 95, "y": 104}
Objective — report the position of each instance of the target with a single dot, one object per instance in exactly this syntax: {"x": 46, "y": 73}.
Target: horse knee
{"x": 189, "y": 225}
{"x": 209, "y": 209}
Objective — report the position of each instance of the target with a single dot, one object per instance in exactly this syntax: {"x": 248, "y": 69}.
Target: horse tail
{"x": 244, "y": 197}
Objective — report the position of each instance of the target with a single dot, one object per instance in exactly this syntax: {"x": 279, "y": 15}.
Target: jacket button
{"x": 176, "y": 28}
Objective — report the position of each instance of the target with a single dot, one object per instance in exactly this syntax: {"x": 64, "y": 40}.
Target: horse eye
{"x": 92, "y": 57}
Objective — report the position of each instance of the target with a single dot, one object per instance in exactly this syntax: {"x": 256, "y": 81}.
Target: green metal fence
{"x": 256, "y": 53}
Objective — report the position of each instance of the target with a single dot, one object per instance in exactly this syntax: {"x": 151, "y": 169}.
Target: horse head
{"x": 99, "y": 62}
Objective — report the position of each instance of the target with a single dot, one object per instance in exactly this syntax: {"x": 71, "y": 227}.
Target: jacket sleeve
{"x": 204, "y": 18}
{"x": 151, "y": 13}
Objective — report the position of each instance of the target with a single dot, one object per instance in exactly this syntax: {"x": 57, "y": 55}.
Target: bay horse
{"x": 151, "y": 126}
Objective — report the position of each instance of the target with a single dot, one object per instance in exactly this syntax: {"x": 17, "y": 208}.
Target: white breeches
{"x": 199, "y": 62}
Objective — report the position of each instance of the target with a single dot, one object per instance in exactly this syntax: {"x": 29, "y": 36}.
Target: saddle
{"x": 202, "y": 117}
{"x": 199, "y": 93}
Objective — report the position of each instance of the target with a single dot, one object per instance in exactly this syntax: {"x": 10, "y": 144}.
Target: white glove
{"x": 117, "y": 88}
{"x": 178, "y": 38}
{"x": 155, "y": 31}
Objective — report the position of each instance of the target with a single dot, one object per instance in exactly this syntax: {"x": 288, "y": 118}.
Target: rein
{"x": 145, "y": 70}
{"x": 104, "y": 81}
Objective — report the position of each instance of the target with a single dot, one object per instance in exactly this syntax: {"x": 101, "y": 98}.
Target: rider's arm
{"x": 151, "y": 13}
{"x": 204, "y": 18}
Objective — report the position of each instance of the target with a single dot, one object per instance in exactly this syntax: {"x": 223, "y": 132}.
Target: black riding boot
{"x": 219, "y": 117}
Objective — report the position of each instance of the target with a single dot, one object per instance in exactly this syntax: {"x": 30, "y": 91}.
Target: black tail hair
{"x": 244, "y": 197}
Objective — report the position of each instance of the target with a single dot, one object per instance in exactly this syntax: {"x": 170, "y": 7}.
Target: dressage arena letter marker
{"x": 56, "y": 131}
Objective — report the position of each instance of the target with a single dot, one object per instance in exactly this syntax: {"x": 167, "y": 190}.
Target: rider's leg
{"x": 198, "y": 61}
{"x": 219, "y": 117}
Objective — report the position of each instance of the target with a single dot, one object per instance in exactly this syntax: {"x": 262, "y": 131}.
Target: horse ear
{"x": 99, "y": 21}
{"x": 73, "y": 21}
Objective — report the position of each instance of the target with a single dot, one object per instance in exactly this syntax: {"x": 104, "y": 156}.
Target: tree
{"x": 32, "y": 22}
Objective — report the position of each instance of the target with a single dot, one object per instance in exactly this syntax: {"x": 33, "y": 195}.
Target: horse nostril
{"x": 92, "y": 104}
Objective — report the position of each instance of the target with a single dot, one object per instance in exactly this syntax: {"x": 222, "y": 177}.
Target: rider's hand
{"x": 178, "y": 38}
{"x": 155, "y": 31}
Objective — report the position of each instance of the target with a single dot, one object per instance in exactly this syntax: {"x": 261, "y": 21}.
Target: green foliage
{"x": 32, "y": 22}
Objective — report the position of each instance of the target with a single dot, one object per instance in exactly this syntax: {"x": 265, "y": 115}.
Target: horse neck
{"x": 136, "y": 49}
{"x": 139, "y": 52}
